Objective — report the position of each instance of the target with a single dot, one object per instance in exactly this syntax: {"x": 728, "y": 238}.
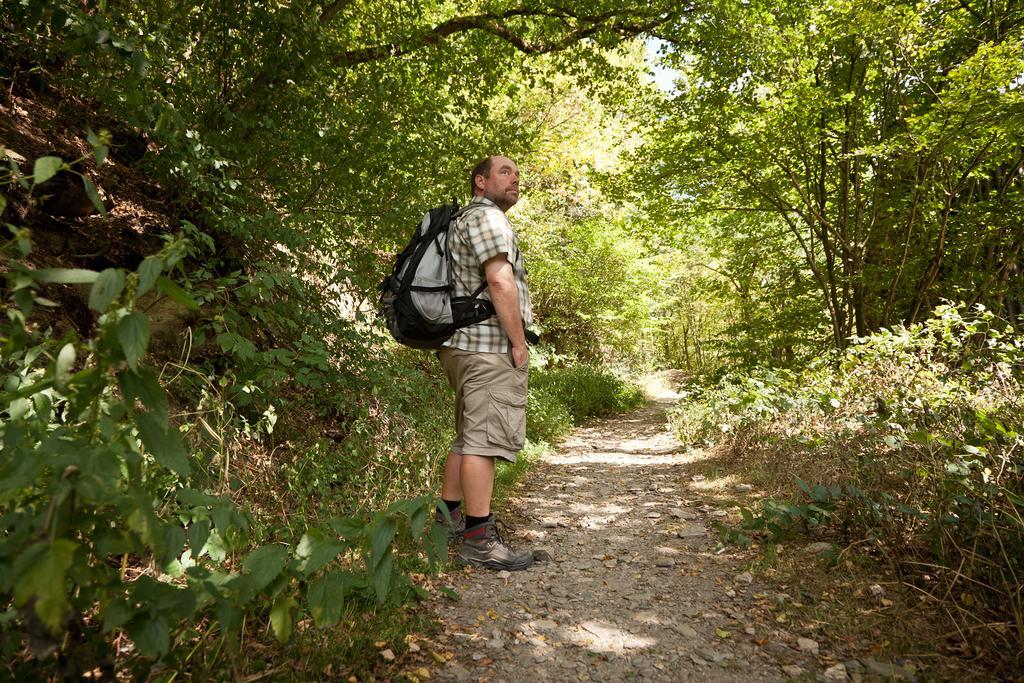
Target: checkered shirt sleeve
{"x": 482, "y": 233}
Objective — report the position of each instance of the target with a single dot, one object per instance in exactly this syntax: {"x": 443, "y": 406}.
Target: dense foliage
{"x": 204, "y": 429}
{"x": 216, "y": 437}
{"x": 911, "y": 441}
{"x": 844, "y": 166}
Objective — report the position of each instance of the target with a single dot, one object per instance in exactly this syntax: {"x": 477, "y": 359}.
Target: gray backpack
{"x": 416, "y": 298}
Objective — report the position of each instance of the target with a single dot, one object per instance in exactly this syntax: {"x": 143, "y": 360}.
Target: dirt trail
{"x": 634, "y": 589}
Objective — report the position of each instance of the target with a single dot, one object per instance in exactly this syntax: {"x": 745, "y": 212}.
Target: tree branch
{"x": 333, "y": 9}
{"x": 496, "y": 25}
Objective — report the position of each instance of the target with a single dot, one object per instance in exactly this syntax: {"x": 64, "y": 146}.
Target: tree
{"x": 885, "y": 139}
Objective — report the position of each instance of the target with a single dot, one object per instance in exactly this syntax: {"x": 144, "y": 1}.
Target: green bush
{"x": 910, "y": 439}
{"x": 588, "y": 391}
{"x": 547, "y": 418}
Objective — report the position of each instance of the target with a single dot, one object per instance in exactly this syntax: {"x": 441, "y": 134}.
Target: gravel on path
{"x": 635, "y": 587}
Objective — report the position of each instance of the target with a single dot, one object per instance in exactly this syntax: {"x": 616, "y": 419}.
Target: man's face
{"x": 501, "y": 186}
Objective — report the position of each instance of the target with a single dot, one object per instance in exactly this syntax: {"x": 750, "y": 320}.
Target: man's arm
{"x": 505, "y": 297}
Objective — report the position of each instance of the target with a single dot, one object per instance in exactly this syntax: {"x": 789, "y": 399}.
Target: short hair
{"x": 483, "y": 167}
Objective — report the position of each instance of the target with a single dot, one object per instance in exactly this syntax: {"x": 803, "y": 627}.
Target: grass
{"x": 507, "y": 475}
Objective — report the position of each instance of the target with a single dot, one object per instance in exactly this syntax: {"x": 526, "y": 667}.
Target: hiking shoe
{"x": 454, "y": 526}
{"x": 482, "y": 546}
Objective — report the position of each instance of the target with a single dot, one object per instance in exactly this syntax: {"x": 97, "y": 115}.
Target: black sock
{"x": 450, "y": 504}
{"x": 473, "y": 521}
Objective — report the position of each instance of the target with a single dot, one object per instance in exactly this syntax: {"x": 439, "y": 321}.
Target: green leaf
{"x": 144, "y": 386}
{"x": 65, "y": 276}
{"x": 198, "y": 534}
{"x": 215, "y": 547}
{"x": 94, "y": 195}
{"x": 106, "y": 288}
{"x": 162, "y": 442}
{"x": 196, "y": 498}
{"x": 140, "y": 64}
{"x": 173, "y": 290}
{"x": 133, "y": 333}
{"x": 115, "y": 614}
{"x": 45, "y": 168}
{"x": 100, "y": 153}
{"x": 382, "y": 576}
{"x": 3, "y": 203}
{"x": 151, "y": 635}
{"x": 39, "y": 573}
{"x": 281, "y": 617}
{"x": 65, "y": 362}
{"x": 349, "y": 528}
{"x": 149, "y": 271}
{"x": 172, "y": 542}
{"x": 418, "y": 519}
{"x": 264, "y": 564}
{"x": 383, "y": 534}
{"x": 326, "y": 597}
{"x": 316, "y": 549}
{"x": 436, "y": 544}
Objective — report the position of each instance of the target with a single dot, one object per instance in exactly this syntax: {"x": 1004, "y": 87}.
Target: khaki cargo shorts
{"x": 490, "y": 402}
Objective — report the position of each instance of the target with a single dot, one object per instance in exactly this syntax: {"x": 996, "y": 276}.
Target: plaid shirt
{"x": 479, "y": 235}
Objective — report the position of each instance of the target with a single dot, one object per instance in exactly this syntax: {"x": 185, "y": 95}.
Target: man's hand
{"x": 505, "y": 297}
{"x": 519, "y": 356}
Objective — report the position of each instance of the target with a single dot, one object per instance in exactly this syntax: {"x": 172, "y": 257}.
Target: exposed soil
{"x": 66, "y": 230}
{"x": 637, "y": 586}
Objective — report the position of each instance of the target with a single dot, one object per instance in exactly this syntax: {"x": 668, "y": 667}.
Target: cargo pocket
{"x": 506, "y": 420}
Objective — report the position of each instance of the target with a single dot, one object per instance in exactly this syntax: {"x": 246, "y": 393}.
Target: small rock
{"x": 876, "y": 590}
{"x": 413, "y": 647}
{"x": 545, "y": 625}
{"x": 697, "y": 660}
{"x": 457, "y": 672}
{"x": 743, "y": 488}
{"x": 853, "y": 667}
{"x": 793, "y": 671}
{"x": 499, "y": 644}
{"x": 745, "y": 577}
{"x": 611, "y": 564}
{"x": 549, "y": 523}
{"x": 808, "y": 645}
{"x": 504, "y": 574}
{"x": 698, "y": 477}
{"x": 653, "y": 515}
{"x": 818, "y": 548}
{"x": 685, "y": 630}
{"x": 692, "y": 531}
{"x": 541, "y": 556}
{"x": 749, "y": 631}
{"x": 680, "y": 513}
{"x": 719, "y": 513}
{"x": 664, "y": 562}
{"x": 388, "y": 655}
{"x": 883, "y": 669}
{"x": 730, "y": 593}
{"x": 836, "y": 672}
{"x": 712, "y": 655}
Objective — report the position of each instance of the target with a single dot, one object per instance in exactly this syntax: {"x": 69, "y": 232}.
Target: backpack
{"x": 416, "y": 298}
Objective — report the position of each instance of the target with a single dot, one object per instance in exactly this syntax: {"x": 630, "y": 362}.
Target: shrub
{"x": 588, "y": 391}
{"x": 910, "y": 439}
{"x": 547, "y": 418}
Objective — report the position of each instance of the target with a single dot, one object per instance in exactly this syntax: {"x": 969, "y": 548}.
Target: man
{"x": 486, "y": 364}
